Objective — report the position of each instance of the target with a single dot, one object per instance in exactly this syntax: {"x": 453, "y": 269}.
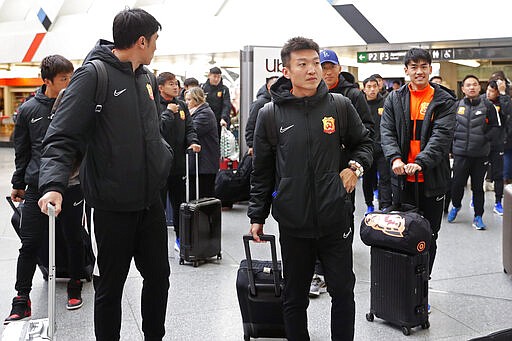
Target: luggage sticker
{"x": 391, "y": 224}
{"x": 329, "y": 126}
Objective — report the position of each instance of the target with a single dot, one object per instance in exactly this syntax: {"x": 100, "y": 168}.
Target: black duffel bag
{"x": 403, "y": 229}
{"x": 407, "y": 231}
{"x": 232, "y": 185}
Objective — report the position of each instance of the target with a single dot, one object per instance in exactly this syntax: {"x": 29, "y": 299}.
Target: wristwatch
{"x": 356, "y": 167}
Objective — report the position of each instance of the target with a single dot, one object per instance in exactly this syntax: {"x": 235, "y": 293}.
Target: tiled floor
{"x": 469, "y": 292}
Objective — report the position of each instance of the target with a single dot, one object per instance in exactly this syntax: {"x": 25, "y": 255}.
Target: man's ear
{"x": 286, "y": 72}
{"x": 141, "y": 41}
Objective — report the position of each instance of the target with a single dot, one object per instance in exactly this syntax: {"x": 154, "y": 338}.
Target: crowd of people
{"x": 312, "y": 133}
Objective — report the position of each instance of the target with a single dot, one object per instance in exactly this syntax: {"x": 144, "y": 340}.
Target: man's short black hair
{"x": 415, "y": 55}
{"x": 190, "y": 82}
{"x": 215, "y": 71}
{"x": 370, "y": 79}
{"x": 164, "y": 77}
{"x": 130, "y": 24}
{"x": 493, "y": 84}
{"x": 470, "y": 76}
{"x": 377, "y": 76}
{"x": 436, "y": 77}
{"x": 52, "y": 65}
{"x": 297, "y": 44}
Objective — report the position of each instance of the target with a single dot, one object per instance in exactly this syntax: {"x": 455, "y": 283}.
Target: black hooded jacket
{"x": 299, "y": 175}
{"x": 504, "y": 108}
{"x": 125, "y": 160}
{"x": 219, "y": 100}
{"x": 376, "y": 109}
{"x": 31, "y": 125}
{"x": 262, "y": 98}
{"x": 436, "y": 135}
{"x": 178, "y": 131}
{"x": 358, "y": 100}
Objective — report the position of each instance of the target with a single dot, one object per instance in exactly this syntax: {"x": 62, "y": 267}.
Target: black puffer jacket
{"x": 376, "y": 109}
{"x": 476, "y": 124}
{"x": 178, "y": 130}
{"x": 126, "y": 161}
{"x": 204, "y": 123}
{"x": 436, "y": 135}
{"x": 262, "y": 98}
{"x": 219, "y": 99}
{"x": 504, "y": 108}
{"x": 358, "y": 100}
{"x": 31, "y": 125}
{"x": 301, "y": 179}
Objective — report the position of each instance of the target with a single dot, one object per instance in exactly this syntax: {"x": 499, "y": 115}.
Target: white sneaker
{"x": 317, "y": 287}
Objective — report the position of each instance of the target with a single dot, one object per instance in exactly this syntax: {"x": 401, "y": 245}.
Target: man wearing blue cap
{"x": 337, "y": 83}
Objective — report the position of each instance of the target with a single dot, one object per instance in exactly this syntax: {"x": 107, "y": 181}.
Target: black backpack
{"x": 101, "y": 88}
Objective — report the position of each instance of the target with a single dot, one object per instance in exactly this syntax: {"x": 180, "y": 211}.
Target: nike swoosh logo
{"x": 78, "y": 203}
{"x": 345, "y": 235}
{"x": 117, "y": 93}
{"x": 478, "y": 113}
{"x": 283, "y": 130}
{"x": 440, "y": 198}
{"x": 34, "y": 120}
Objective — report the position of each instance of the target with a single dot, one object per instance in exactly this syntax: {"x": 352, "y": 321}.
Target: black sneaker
{"x": 74, "y": 294}
{"x": 21, "y": 308}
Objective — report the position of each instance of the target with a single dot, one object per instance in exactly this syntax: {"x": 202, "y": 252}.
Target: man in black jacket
{"x": 31, "y": 126}
{"x": 341, "y": 83}
{"x": 125, "y": 166}
{"x": 416, "y": 131}
{"x": 178, "y": 131}
{"x": 476, "y": 124}
{"x": 298, "y": 170}
{"x": 218, "y": 97}
{"x": 380, "y": 164}
{"x": 262, "y": 98}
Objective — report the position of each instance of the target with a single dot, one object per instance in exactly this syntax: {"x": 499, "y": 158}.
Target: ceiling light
{"x": 469, "y": 62}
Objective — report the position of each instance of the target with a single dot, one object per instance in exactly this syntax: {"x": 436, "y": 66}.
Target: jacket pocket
{"x": 291, "y": 205}
{"x": 331, "y": 201}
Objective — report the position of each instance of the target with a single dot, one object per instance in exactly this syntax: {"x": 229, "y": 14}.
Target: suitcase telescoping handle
{"x": 187, "y": 176}
{"x": 51, "y": 272}
{"x": 275, "y": 270}
{"x": 14, "y": 208}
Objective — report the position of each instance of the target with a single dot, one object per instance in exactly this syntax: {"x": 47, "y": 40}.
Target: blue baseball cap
{"x": 328, "y": 56}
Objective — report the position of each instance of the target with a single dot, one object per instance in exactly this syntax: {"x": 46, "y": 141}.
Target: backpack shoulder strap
{"x": 271, "y": 127}
{"x": 101, "y": 86}
{"x": 341, "y": 108}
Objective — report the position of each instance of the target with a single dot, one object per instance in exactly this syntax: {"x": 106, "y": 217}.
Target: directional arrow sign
{"x": 362, "y": 57}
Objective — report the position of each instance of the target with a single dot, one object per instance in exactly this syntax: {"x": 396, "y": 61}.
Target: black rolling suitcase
{"x": 259, "y": 286}
{"x": 200, "y": 226}
{"x": 399, "y": 288}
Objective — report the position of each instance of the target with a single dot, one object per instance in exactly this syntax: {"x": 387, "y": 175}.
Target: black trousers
{"x": 119, "y": 237}
{"x": 463, "y": 167}
{"x": 432, "y": 209}
{"x": 383, "y": 183}
{"x": 496, "y": 173}
{"x": 335, "y": 254}
{"x": 175, "y": 189}
{"x": 34, "y": 233}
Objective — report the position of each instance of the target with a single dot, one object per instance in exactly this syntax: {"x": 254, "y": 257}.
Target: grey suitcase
{"x": 40, "y": 329}
{"x": 507, "y": 229}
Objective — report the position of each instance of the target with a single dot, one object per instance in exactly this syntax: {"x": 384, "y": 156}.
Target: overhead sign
{"x": 444, "y": 54}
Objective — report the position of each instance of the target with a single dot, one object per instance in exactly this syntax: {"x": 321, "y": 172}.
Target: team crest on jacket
{"x": 150, "y": 91}
{"x": 380, "y": 111}
{"x": 461, "y": 110}
{"x": 329, "y": 126}
{"x": 219, "y": 94}
{"x": 182, "y": 115}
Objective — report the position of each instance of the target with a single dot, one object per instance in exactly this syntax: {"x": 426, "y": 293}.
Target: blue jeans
{"x": 335, "y": 254}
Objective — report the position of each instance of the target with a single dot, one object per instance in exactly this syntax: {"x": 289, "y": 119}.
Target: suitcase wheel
{"x": 406, "y": 330}
{"x": 196, "y": 263}
{"x": 369, "y": 317}
{"x": 425, "y": 325}
{"x": 219, "y": 256}
{"x": 182, "y": 261}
